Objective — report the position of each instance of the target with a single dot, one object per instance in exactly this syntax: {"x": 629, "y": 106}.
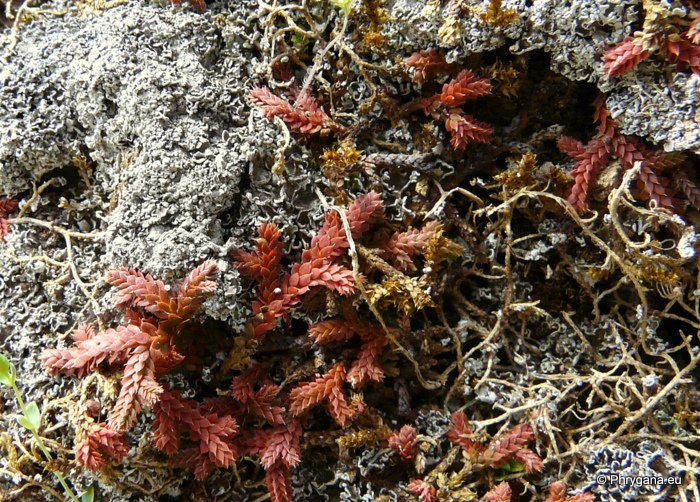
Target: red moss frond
{"x": 340, "y": 410}
{"x": 310, "y": 394}
{"x": 263, "y": 264}
{"x": 507, "y": 445}
{"x": 557, "y": 493}
{"x": 86, "y": 354}
{"x": 213, "y": 432}
{"x": 99, "y": 439}
{"x": 362, "y": 211}
{"x": 502, "y": 492}
{"x": 586, "y": 170}
{"x": 423, "y": 490}
{"x": 167, "y": 433}
{"x": 305, "y": 116}
{"x": 570, "y": 146}
{"x": 83, "y": 332}
{"x": 693, "y": 33}
{"x": 279, "y": 483}
{"x": 531, "y": 461}
{"x": 327, "y": 387}
{"x": 624, "y": 56}
{"x": 198, "y": 5}
{"x": 689, "y": 189}
{"x": 6, "y": 207}
{"x": 426, "y": 64}
{"x": 403, "y": 246}
{"x": 282, "y": 445}
{"x": 652, "y": 187}
{"x": 461, "y": 433}
{"x": 136, "y": 289}
{"x": 466, "y": 129}
{"x": 684, "y": 53}
{"x": 656, "y": 188}
{"x": 139, "y": 390}
{"x": 404, "y": 442}
{"x": 366, "y": 367}
{"x": 196, "y": 288}
{"x": 262, "y": 404}
{"x": 332, "y": 330}
{"x": 467, "y": 85}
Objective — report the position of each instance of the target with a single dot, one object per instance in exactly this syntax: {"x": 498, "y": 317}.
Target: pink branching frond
{"x": 310, "y": 394}
{"x": 282, "y": 445}
{"x": 332, "y": 330}
{"x": 557, "y": 493}
{"x": 139, "y": 390}
{"x": 684, "y": 53}
{"x": 327, "y": 387}
{"x": 425, "y": 64}
{"x": 214, "y": 433}
{"x": 461, "y": 433}
{"x": 404, "y": 442}
{"x": 507, "y": 446}
{"x": 652, "y": 186}
{"x": 423, "y": 490}
{"x": 571, "y": 146}
{"x": 263, "y": 264}
{"x": 100, "y": 439}
{"x": 467, "y": 85}
{"x": 586, "y": 170}
{"x": 502, "y": 492}
{"x": 362, "y": 211}
{"x": 196, "y": 288}
{"x": 6, "y": 207}
{"x": 366, "y": 367}
{"x": 262, "y": 404}
{"x": 624, "y": 56}
{"x": 306, "y": 117}
{"x": 531, "y": 461}
{"x": 87, "y": 353}
{"x": 136, "y": 289}
{"x": 403, "y": 246}
{"x": 279, "y": 483}
{"x": 693, "y": 32}
{"x": 466, "y": 129}
{"x": 167, "y": 410}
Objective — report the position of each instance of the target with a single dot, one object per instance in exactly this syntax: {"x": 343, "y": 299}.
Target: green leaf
{"x": 88, "y": 495}
{"x": 344, "y": 5}
{"x": 7, "y": 371}
{"x": 32, "y": 417}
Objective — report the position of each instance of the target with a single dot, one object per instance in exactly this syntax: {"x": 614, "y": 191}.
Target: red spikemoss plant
{"x": 329, "y": 388}
{"x": 404, "y": 442}
{"x": 211, "y": 434}
{"x": 681, "y": 47}
{"x": 98, "y": 440}
{"x": 509, "y": 446}
{"x": 446, "y": 105}
{"x": 366, "y": 367}
{"x": 198, "y": 5}
{"x": 609, "y": 142}
{"x": 145, "y": 348}
{"x": 423, "y": 490}
{"x": 303, "y": 115}
{"x": 403, "y": 246}
{"x": 277, "y": 292}
{"x": 557, "y": 493}
{"x": 426, "y": 65}
{"x": 7, "y": 206}
{"x": 502, "y": 492}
